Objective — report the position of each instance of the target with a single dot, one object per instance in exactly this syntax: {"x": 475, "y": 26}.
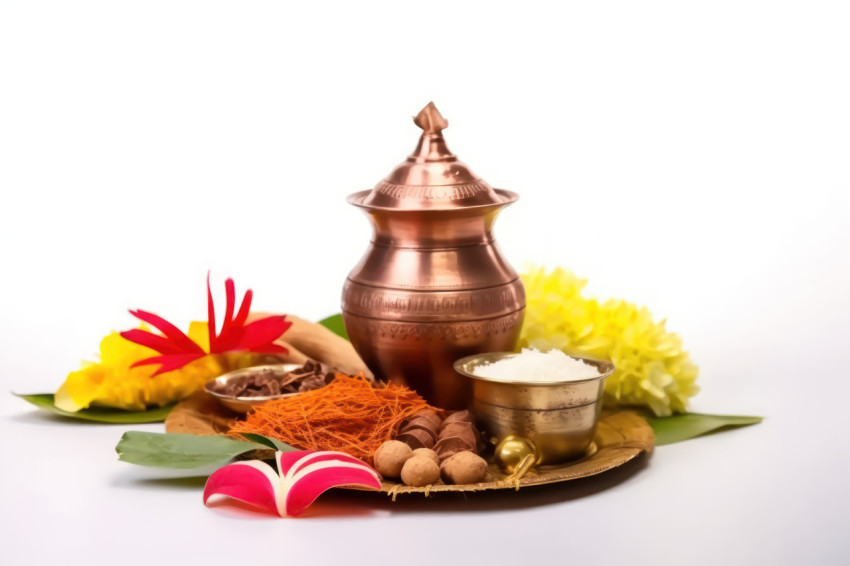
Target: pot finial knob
{"x": 430, "y": 120}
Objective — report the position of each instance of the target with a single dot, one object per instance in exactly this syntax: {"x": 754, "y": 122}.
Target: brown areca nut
{"x": 463, "y": 468}
{"x": 427, "y": 453}
{"x": 419, "y": 471}
{"x": 390, "y": 458}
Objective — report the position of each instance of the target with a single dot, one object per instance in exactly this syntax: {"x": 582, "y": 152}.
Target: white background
{"x": 692, "y": 157}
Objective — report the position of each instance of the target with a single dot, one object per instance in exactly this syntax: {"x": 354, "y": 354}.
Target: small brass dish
{"x": 242, "y": 404}
{"x": 535, "y": 423}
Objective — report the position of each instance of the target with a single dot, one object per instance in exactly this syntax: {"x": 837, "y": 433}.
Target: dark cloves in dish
{"x": 270, "y": 382}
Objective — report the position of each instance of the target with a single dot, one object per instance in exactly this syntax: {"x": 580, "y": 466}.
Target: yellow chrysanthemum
{"x": 111, "y": 382}
{"x": 652, "y": 368}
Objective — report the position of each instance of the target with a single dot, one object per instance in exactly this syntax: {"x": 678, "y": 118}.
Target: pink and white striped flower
{"x": 304, "y": 475}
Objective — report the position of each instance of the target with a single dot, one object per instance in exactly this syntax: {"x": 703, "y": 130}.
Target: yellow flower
{"x": 111, "y": 382}
{"x": 652, "y": 368}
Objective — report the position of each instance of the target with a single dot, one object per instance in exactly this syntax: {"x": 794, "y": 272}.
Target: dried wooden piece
{"x": 421, "y": 430}
{"x": 317, "y": 342}
{"x": 458, "y": 434}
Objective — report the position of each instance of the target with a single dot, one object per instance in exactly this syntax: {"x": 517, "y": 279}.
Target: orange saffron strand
{"x": 348, "y": 415}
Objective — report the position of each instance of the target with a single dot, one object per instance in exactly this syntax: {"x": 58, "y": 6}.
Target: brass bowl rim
{"x": 224, "y": 378}
{"x": 460, "y": 367}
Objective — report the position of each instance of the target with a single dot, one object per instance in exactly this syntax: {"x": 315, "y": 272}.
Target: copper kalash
{"x": 432, "y": 286}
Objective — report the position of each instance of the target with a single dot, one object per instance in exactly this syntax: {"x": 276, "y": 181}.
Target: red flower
{"x": 177, "y": 349}
{"x": 301, "y": 477}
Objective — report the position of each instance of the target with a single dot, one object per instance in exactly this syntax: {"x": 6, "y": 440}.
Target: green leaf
{"x": 272, "y": 443}
{"x": 335, "y": 324}
{"x": 690, "y": 425}
{"x": 99, "y": 414}
{"x": 185, "y": 451}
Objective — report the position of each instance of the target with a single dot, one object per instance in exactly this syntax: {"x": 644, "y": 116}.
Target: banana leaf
{"x": 335, "y": 324}
{"x": 677, "y": 428}
{"x": 99, "y": 414}
{"x": 185, "y": 451}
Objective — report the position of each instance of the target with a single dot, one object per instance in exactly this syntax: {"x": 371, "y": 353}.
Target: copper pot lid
{"x": 432, "y": 177}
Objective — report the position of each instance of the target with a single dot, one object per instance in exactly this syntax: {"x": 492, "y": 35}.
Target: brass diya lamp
{"x": 432, "y": 286}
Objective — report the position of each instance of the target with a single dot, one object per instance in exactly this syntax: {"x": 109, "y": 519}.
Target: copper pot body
{"x": 432, "y": 288}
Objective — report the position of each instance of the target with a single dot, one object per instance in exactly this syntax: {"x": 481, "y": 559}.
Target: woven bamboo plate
{"x": 620, "y": 437}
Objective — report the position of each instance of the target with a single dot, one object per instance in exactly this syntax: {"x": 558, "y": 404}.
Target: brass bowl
{"x": 535, "y": 423}
{"x": 242, "y": 404}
